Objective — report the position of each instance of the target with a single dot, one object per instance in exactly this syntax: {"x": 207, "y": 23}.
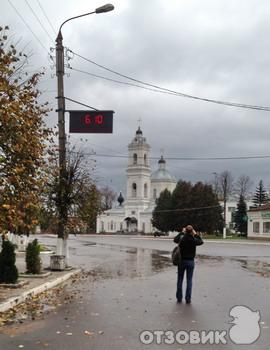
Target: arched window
{"x": 134, "y": 190}
{"x": 111, "y": 225}
{"x": 135, "y": 158}
{"x": 155, "y": 193}
{"x": 145, "y": 159}
{"x": 145, "y": 190}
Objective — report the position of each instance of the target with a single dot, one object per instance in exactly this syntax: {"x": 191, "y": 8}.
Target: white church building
{"x": 143, "y": 188}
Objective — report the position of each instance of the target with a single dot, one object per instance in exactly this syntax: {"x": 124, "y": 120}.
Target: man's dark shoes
{"x": 188, "y": 301}
{"x": 179, "y": 301}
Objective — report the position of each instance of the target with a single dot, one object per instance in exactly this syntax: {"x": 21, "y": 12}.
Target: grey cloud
{"x": 215, "y": 49}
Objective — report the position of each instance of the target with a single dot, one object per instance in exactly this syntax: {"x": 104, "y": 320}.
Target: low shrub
{"x": 33, "y": 261}
{"x": 8, "y": 269}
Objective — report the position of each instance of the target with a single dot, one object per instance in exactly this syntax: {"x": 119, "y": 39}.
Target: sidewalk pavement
{"x": 10, "y": 297}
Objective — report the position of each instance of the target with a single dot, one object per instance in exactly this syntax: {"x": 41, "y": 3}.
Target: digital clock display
{"x": 91, "y": 122}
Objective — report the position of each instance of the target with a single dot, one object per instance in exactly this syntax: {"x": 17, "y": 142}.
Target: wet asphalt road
{"x": 131, "y": 288}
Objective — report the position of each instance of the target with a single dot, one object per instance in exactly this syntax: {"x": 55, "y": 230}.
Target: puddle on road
{"x": 89, "y": 244}
{"x": 260, "y": 267}
{"x": 257, "y": 266}
{"x": 138, "y": 263}
{"x": 142, "y": 262}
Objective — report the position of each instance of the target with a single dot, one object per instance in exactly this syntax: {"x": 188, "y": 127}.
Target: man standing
{"x": 187, "y": 240}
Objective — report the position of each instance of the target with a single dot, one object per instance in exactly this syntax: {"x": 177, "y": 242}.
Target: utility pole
{"x": 60, "y": 71}
{"x": 62, "y": 249}
{"x": 225, "y": 194}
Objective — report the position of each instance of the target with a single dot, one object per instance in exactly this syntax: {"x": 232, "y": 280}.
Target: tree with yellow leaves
{"x": 23, "y": 140}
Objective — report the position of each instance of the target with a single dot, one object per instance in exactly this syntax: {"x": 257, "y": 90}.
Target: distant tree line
{"x": 188, "y": 204}
{"x": 198, "y": 204}
{"x": 224, "y": 187}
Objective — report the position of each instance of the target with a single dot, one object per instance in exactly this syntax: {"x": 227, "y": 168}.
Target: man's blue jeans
{"x": 188, "y": 266}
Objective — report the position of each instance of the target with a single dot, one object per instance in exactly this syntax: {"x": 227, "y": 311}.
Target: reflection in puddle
{"x": 258, "y": 266}
{"x": 139, "y": 262}
{"x": 206, "y": 258}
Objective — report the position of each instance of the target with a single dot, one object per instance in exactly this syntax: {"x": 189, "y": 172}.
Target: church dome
{"x": 139, "y": 131}
{"x": 162, "y": 174}
{"x": 162, "y": 160}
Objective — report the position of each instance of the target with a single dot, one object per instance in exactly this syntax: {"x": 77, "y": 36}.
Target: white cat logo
{"x": 246, "y": 327}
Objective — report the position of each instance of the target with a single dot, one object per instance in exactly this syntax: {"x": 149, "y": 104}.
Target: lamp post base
{"x": 62, "y": 249}
{"x": 57, "y": 263}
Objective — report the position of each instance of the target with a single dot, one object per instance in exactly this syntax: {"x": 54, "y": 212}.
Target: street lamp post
{"x": 60, "y": 71}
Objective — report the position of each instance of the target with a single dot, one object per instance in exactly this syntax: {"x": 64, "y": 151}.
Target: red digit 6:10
{"x": 98, "y": 119}
{"x": 87, "y": 119}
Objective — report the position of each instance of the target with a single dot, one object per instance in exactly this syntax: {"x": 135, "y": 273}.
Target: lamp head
{"x": 105, "y": 8}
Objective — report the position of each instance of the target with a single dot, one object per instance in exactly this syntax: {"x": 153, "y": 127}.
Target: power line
{"x": 27, "y": 25}
{"x": 182, "y": 158}
{"x": 121, "y": 82}
{"x": 151, "y": 158}
{"x": 42, "y": 9}
{"x": 226, "y": 103}
{"x": 39, "y": 21}
{"x": 187, "y": 209}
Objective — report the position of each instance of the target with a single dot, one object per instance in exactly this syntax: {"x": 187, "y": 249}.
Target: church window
{"x": 155, "y": 193}
{"x": 145, "y": 190}
{"x": 135, "y": 158}
{"x": 111, "y": 225}
{"x": 145, "y": 159}
{"x": 134, "y": 190}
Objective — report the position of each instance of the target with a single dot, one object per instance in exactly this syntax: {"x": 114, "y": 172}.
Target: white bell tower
{"x": 138, "y": 172}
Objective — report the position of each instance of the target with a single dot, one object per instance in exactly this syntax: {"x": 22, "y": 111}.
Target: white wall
{"x": 259, "y": 224}
{"x": 161, "y": 186}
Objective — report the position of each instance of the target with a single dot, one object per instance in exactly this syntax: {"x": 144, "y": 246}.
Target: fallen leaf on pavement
{"x": 89, "y": 333}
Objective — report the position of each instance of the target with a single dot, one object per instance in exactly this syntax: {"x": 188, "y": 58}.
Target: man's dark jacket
{"x": 188, "y": 243}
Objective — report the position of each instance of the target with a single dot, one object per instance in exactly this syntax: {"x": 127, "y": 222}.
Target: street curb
{"x": 10, "y": 303}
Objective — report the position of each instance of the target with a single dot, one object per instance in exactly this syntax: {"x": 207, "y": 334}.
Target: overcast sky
{"x": 211, "y": 49}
